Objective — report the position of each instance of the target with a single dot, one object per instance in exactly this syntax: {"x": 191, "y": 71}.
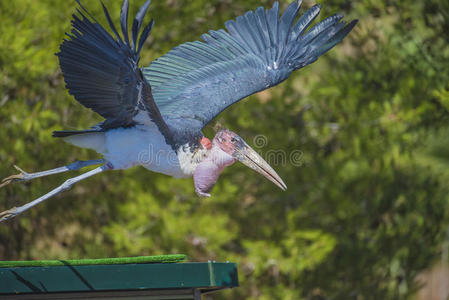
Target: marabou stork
{"x": 154, "y": 116}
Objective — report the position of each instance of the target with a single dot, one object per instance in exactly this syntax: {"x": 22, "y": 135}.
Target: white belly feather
{"x": 140, "y": 145}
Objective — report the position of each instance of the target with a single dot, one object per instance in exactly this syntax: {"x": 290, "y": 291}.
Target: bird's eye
{"x": 233, "y": 140}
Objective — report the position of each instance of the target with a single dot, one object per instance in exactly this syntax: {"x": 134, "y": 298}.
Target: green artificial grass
{"x": 172, "y": 258}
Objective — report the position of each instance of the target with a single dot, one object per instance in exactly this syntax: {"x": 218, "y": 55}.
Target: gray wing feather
{"x": 195, "y": 81}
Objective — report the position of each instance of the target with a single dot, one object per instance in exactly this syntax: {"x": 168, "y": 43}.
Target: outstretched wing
{"x": 195, "y": 81}
{"x": 102, "y": 72}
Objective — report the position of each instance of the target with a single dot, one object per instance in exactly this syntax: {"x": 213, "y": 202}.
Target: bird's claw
{"x": 17, "y": 177}
{"x": 8, "y": 214}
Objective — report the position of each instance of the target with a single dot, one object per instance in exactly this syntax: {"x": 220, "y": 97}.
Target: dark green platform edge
{"x": 121, "y": 274}
{"x": 171, "y": 258}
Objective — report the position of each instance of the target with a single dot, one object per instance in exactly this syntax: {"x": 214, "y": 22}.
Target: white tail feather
{"x": 95, "y": 141}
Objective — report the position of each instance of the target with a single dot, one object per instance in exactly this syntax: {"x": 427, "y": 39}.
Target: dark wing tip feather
{"x": 145, "y": 33}
{"x": 136, "y": 44}
{"x": 137, "y": 23}
{"x": 87, "y": 12}
{"x": 124, "y": 20}
{"x": 344, "y": 31}
{"x": 111, "y": 24}
{"x": 336, "y": 38}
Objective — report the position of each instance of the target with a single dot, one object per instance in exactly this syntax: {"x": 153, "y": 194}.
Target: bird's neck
{"x": 208, "y": 170}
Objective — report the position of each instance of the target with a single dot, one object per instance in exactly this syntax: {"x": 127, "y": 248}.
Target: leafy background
{"x": 367, "y": 206}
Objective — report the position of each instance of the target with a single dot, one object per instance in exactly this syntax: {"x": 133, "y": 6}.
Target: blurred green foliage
{"x": 365, "y": 131}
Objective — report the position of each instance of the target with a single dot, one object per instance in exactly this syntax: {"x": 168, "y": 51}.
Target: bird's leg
{"x": 11, "y": 213}
{"x": 24, "y": 176}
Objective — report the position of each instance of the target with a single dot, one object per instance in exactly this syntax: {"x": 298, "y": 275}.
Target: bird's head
{"x": 226, "y": 148}
{"x": 233, "y": 145}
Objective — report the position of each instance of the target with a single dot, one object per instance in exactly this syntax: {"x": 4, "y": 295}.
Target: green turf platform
{"x": 172, "y": 258}
{"x": 145, "y": 277}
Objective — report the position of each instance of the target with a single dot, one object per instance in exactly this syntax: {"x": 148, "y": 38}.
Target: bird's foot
{"x": 8, "y": 214}
{"x": 22, "y": 176}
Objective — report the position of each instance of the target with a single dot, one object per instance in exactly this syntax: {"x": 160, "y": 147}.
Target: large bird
{"x": 154, "y": 116}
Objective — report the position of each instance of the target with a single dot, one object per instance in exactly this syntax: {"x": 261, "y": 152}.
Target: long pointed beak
{"x": 250, "y": 158}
